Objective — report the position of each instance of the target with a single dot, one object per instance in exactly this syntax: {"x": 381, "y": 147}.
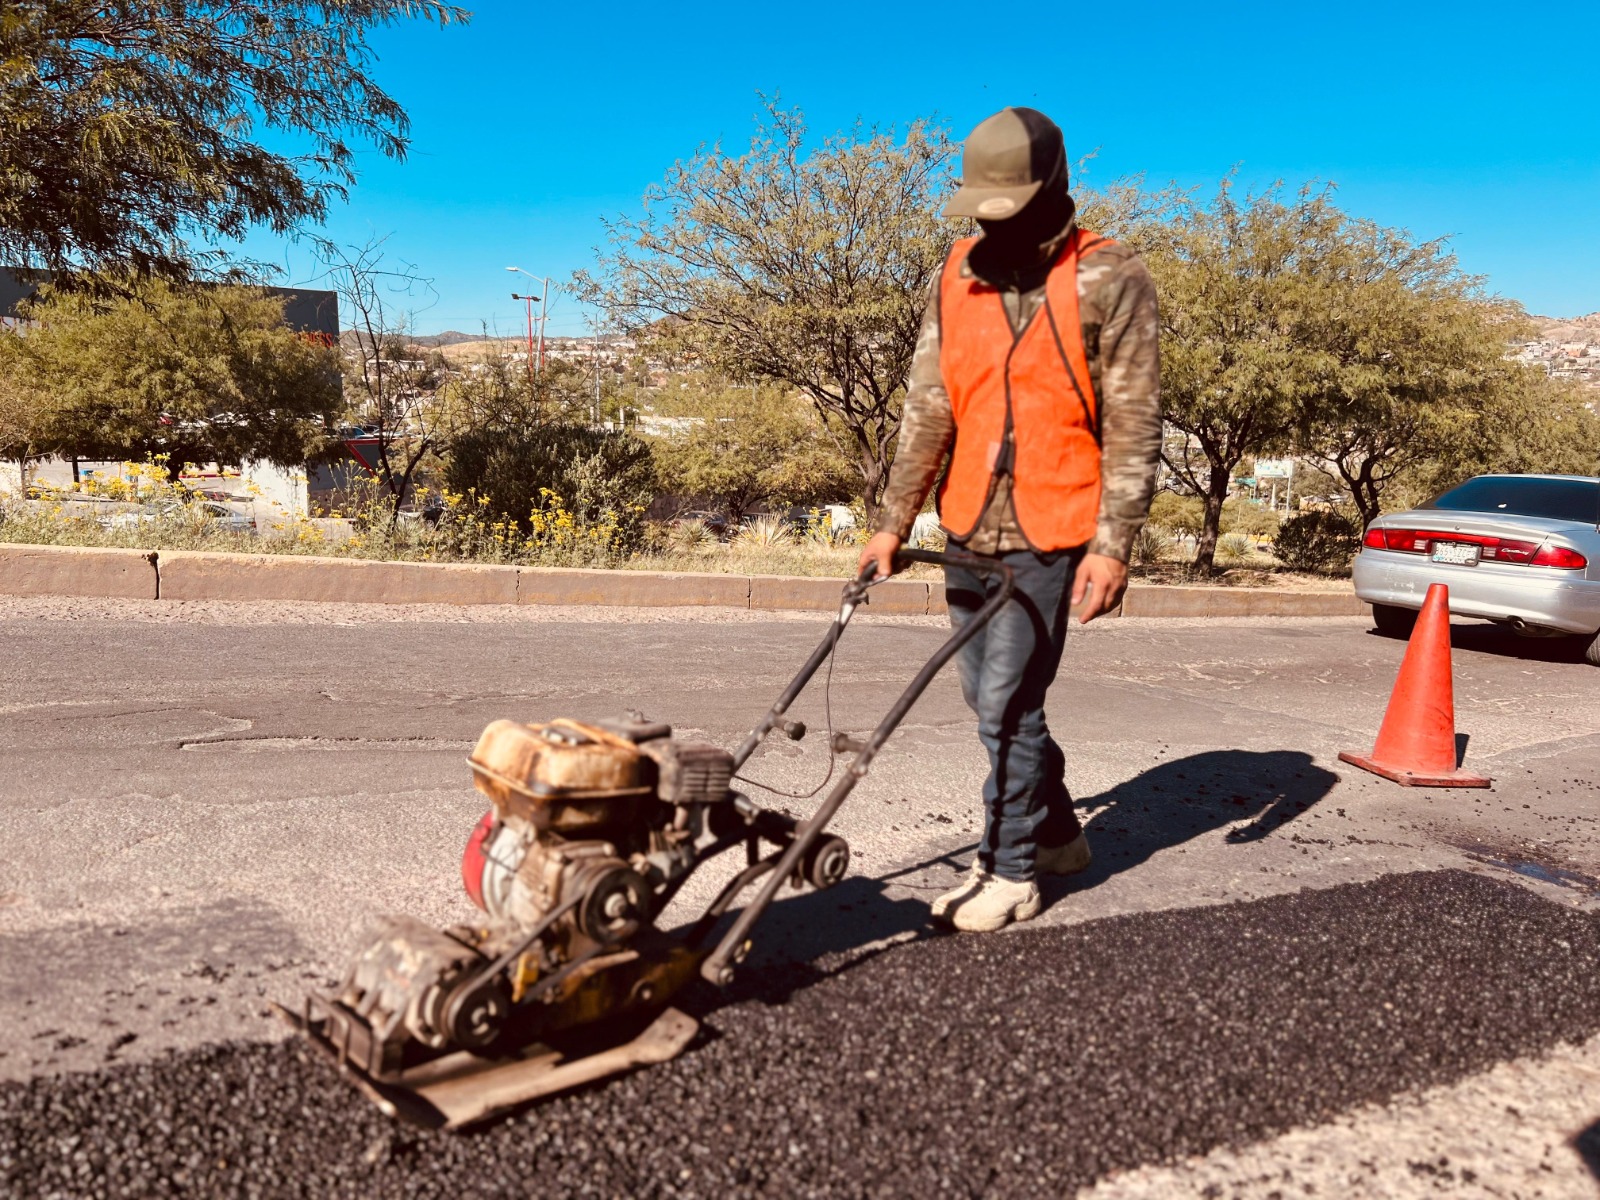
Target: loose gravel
{"x": 1025, "y": 1064}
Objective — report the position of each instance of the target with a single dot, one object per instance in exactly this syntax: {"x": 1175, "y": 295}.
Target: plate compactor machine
{"x": 565, "y": 978}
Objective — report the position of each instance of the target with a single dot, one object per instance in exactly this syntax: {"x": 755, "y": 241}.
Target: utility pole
{"x": 529, "y": 299}
{"x": 544, "y": 312}
{"x": 595, "y": 347}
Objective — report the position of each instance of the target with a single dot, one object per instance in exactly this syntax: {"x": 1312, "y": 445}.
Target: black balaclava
{"x": 1019, "y": 245}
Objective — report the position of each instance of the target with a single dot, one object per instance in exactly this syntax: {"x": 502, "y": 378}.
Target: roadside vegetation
{"x": 772, "y": 300}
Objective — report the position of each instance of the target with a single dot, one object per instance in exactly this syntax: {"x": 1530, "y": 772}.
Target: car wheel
{"x": 1591, "y": 652}
{"x": 1393, "y": 622}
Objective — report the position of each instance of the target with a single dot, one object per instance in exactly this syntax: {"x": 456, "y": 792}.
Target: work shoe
{"x": 985, "y": 902}
{"x": 1064, "y": 860}
{"x": 964, "y": 890}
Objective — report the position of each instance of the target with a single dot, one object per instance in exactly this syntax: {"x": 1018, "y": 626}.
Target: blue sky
{"x": 531, "y": 123}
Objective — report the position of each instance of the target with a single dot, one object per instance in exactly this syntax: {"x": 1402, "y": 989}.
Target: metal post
{"x": 544, "y": 310}
{"x": 529, "y": 299}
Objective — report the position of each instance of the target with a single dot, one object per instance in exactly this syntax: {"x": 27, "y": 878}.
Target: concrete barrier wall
{"x": 193, "y": 575}
{"x": 1191, "y": 601}
{"x": 77, "y": 571}
{"x": 648, "y": 589}
{"x": 936, "y": 604}
{"x": 904, "y": 596}
{"x": 197, "y": 575}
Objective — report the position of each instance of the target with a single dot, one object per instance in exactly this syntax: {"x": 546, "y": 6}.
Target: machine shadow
{"x": 1255, "y": 792}
{"x": 806, "y": 938}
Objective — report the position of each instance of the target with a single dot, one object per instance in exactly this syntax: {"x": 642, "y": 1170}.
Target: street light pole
{"x": 544, "y": 310}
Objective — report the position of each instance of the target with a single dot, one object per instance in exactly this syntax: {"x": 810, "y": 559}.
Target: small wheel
{"x": 1392, "y": 621}
{"x": 1591, "y": 652}
{"x": 826, "y": 862}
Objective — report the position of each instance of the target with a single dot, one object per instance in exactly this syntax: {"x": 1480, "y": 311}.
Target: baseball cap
{"x": 1004, "y": 163}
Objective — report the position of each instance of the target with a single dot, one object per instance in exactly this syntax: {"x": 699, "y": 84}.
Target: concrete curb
{"x": 646, "y": 589}
{"x": 78, "y": 571}
{"x": 901, "y": 596}
{"x": 199, "y": 575}
{"x": 1176, "y": 600}
{"x": 177, "y": 575}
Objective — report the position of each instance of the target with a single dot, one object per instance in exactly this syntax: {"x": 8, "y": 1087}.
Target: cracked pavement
{"x": 203, "y": 804}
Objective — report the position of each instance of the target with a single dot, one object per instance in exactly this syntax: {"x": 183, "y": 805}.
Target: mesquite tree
{"x": 197, "y": 373}
{"x": 805, "y": 265}
{"x": 131, "y": 128}
{"x": 1235, "y": 278}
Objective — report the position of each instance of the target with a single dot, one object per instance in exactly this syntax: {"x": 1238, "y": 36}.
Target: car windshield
{"x": 1525, "y": 496}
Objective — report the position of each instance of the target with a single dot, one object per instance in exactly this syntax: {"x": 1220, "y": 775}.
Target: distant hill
{"x": 1570, "y": 329}
{"x": 452, "y": 341}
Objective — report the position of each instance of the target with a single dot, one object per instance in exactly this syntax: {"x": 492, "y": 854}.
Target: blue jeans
{"x": 1006, "y": 669}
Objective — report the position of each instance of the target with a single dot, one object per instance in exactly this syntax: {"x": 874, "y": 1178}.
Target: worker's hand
{"x": 1101, "y": 578}
{"x": 881, "y": 550}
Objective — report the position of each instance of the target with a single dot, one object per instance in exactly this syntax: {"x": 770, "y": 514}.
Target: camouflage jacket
{"x": 1117, "y": 306}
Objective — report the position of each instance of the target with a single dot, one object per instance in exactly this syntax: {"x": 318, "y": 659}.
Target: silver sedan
{"x": 1522, "y": 550}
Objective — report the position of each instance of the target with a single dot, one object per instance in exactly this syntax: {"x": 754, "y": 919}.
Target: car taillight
{"x": 1560, "y": 556}
{"x": 1407, "y": 541}
{"x": 1490, "y": 547}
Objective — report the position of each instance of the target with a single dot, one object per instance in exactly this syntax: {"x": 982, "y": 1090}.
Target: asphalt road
{"x": 203, "y": 804}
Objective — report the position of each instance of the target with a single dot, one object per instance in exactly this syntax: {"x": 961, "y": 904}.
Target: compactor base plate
{"x": 462, "y": 1089}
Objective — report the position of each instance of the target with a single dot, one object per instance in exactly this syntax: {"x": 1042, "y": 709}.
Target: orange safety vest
{"x": 1031, "y": 389}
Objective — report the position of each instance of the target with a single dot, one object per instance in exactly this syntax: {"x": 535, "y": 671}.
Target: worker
{"x": 1036, "y": 374}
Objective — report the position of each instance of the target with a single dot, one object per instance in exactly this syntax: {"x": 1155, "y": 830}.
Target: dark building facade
{"x": 305, "y": 310}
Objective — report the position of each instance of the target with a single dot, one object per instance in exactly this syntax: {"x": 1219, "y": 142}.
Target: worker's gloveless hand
{"x": 881, "y": 550}
{"x": 1102, "y": 579}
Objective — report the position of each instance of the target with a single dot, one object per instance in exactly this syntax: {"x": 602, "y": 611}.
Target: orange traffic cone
{"x": 1417, "y": 740}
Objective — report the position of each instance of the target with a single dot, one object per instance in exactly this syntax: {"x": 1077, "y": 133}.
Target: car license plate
{"x": 1460, "y": 553}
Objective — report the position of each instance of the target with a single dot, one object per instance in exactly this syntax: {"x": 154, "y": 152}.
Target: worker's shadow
{"x": 1252, "y": 794}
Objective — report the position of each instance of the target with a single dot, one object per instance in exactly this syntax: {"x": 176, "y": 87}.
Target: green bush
{"x": 1317, "y": 541}
{"x": 602, "y": 477}
{"x": 1180, "y": 514}
{"x": 1249, "y": 517}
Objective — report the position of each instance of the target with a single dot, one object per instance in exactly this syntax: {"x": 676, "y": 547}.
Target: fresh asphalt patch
{"x": 1024, "y": 1064}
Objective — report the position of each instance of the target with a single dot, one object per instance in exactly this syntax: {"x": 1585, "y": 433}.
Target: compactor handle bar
{"x": 718, "y": 968}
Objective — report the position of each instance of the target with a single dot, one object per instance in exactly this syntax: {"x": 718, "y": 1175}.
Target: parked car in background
{"x": 232, "y": 519}
{"x": 1521, "y": 550}
{"x": 716, "y": 523}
